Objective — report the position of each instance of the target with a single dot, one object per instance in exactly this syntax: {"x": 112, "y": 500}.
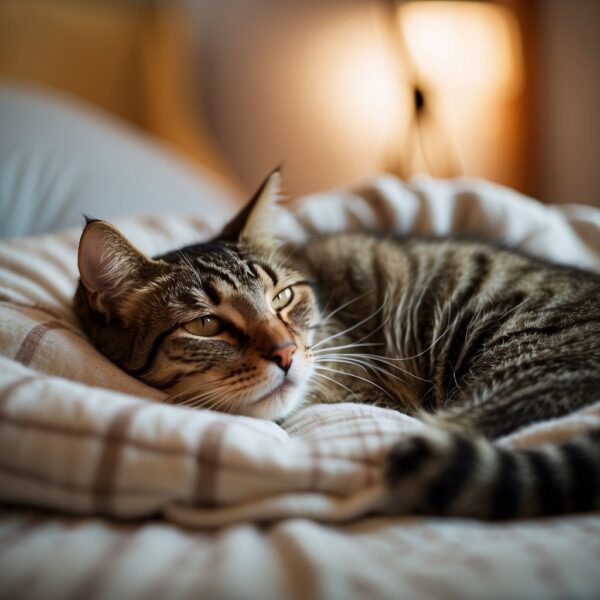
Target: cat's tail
{"x": 440, "y": 472}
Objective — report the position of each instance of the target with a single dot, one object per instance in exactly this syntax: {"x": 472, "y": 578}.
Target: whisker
{"x": 323, "y": 350}
{"x": 351, "y": 328}
{"x": 404, "y": 358}
{"x": 197, "y": 398}
{"x": 325, "y": 319}
{"x": 220, "y": 402}
{"x": 337, "y": 383}
{"x": 282, "y": 261}
{"x": 203, "y": 396}
{"x": 358, "y": 356}
{"x": 344, "y": 361}
{"x": 367, "y": 365}
{"x": 357, "y": 377}
{"x": 169, "y": 399}
{"x": 455, "y": 380}
{"x": 214, "y": 399}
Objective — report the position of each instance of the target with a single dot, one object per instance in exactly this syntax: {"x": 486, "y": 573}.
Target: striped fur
{"x": 477, "y": 340}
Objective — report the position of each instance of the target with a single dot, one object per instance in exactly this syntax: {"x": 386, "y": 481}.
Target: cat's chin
{"x": 276, "y": 404}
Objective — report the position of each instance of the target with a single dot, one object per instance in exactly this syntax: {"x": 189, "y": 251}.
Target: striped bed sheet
{"x": 108, "y": 491}
{"x": 50, "y": 556}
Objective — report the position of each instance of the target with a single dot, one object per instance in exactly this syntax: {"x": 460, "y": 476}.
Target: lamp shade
{"x": 463, "y": 47}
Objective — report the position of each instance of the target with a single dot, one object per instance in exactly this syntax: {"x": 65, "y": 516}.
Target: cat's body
{"x": 481, "y": 339}
{"x": 462, "y": 322}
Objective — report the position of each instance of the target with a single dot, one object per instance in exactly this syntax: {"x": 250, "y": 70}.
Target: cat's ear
{"x": 256, "y": 221}
{"x": 110, "y": 267}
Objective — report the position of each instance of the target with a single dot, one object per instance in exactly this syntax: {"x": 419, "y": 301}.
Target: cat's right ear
{"x": 256, "y": 221}
{"x": 110, "y": 267}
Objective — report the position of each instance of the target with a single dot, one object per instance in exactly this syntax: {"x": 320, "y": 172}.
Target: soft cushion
{"x": 77, "y": 434}
{"x": 60, "y": 159}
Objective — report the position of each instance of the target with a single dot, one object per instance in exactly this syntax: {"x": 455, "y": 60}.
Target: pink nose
{"x": 283, "y": 355}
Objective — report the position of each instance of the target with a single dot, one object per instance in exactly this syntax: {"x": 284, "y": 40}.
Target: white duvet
{"x": 80, "y": 437}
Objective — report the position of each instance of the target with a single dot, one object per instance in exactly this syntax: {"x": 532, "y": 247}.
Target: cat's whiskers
{"x": 323, "y": 320}
{"x": 348, "y": 303}
{"x": 389, "y": 358}
{"x": 348, "y": 361}
{"x": 197, "y": 398}
{"x": 362, "y": 360}
{"x": 370, "y": 382}
{"x": 455, "y": 381}
{"x": 221, "y": 402}
{"x": 352, "y": 345}
{"x": 352, "y": 328}
{"x": 316, "y": 374}
{"x": 209, "y": 399}
{"x": 200, "y": 395}
{"x": 171, "y": 399}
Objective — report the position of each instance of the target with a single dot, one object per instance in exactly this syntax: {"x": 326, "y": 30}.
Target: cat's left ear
{"x": 256, "y": 221}
{"x": 110, "y": 267}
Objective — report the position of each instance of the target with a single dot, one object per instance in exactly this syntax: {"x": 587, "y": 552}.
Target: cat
{"x": 476, "y": 340}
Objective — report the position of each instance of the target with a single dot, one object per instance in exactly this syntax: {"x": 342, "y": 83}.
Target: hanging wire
{"x": 424, "y": 123}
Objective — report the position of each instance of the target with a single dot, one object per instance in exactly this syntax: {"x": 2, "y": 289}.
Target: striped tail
{"x": 447, "y": 473}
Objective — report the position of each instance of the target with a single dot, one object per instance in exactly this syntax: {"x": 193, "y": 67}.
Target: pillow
{"x": 60, "y": 159}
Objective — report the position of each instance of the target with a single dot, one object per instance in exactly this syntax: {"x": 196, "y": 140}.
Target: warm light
{"x": 466, "y": 58}
{"x": 350, "y": 91}
{"x": 464, "y": 47}
{"x": 357, "y": 81}
{"x": 363, "y": 77}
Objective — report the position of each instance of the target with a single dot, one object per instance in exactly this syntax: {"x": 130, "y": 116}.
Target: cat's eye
{"x": 204, "y": 326}
{"x": 282, "y": 299}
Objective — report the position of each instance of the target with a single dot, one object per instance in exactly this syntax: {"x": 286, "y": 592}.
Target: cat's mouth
{"x": 274, "y": 393}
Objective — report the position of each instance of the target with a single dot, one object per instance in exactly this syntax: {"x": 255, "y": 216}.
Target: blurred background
{"x": 337, "y": 89}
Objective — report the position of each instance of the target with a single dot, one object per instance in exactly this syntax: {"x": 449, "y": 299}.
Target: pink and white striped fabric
{"x": 79, "y": 437}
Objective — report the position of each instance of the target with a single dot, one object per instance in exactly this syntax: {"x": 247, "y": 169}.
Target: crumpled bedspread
{"x": 79, "y": 436}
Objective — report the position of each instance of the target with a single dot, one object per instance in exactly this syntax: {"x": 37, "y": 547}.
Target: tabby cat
{"x": 477, "y": 340}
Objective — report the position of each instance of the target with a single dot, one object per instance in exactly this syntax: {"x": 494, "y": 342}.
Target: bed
{"x": 109, "y": 491}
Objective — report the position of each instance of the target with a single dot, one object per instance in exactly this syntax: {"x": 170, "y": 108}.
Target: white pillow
{"x": 60, "y": 159}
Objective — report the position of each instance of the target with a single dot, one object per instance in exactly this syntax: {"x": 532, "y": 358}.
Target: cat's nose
{"x": 283, "y": 355}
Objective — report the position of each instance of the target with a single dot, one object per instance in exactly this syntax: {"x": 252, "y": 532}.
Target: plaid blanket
{"x": 79, "y": 436}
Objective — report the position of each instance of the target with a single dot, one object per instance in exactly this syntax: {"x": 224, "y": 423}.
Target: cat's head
{"x": 225, "y": 324}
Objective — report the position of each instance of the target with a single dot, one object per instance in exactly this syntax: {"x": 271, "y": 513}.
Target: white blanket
{"x": 78, "y": 435}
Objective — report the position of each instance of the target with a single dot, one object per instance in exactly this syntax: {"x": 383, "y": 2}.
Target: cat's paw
{"x": 428, "y": 472}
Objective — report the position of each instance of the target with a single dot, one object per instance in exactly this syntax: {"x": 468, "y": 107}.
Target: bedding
{"x": 235, "y": 507}
{"x": 61, "y": 158}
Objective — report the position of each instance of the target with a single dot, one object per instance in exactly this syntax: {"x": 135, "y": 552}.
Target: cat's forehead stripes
{"x": 255, "y": 265}
{"x": 211, "y": 291}
{"x": 234, "y": 266}
{"x": 210, "y": 271}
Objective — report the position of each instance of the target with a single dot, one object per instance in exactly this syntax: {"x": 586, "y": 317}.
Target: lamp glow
{"x": 466, "y": 59}
{"x": 470, "y": 47}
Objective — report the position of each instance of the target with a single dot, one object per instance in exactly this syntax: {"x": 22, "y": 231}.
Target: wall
{"x": 568, "y": 101}
{"x": 303, "y": 82}
{"x": 309, "y": 82}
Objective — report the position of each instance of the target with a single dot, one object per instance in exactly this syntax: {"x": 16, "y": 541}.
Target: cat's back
{"x": 452, "y": 311}
{"x": 445, "y": 262}
{"x": 425, "y": 284}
